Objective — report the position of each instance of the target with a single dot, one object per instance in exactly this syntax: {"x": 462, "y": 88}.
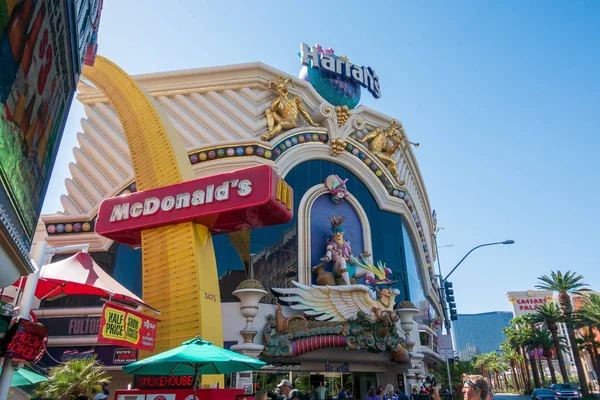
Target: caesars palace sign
{"x": 243, "y": 199}
{"x": 528, "y": 302}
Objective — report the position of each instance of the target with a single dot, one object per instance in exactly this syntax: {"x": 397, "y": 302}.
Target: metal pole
{"x": 38, "y": 258}
{"x": 449, "y": 377}
{"x": 441, "y": 291}
{"x": 472, "y": 250}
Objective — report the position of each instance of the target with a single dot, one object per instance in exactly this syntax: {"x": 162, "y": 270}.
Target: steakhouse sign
{"x": 234, "y": 201}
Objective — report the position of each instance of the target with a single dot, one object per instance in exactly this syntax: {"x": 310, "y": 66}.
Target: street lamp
{"x": 466, "y": 255}
{"x": 442, "y": 281}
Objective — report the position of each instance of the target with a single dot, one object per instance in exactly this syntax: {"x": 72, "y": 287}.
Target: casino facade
{"x": 343, "y": 293}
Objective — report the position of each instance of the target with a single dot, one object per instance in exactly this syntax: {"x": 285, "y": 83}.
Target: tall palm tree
{"x": 73, "y": 379}
{"x": 588, "y": 316}
{"x": 549, "y": 315}
{"x": 566, "y": 284}
{"x": 525, "y": 330}
{"x": 512, "y": 340}
{"x": 544, "y": 341}
{"x": 512, "y": 358}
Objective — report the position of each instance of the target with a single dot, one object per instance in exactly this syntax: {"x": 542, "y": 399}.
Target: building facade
{"x": 225, "y": 117}
{"x": 479, "y": 333}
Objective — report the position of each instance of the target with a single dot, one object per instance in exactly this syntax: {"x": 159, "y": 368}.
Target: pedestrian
{"x": 389, "y": 393}
{"x": 380, "y": 391}
{"x": 372, "y": 395}
{"x": 260, "y": 395}
{"x": 414, "y": 395}
{"x": 321, "y": 391}
{"x": 288, "y": 390}
{"x": 400, "y": 395}
{"x": 313, "y": 392}
{"x": 342, "y": 394}
{"x": 475, "y": 387}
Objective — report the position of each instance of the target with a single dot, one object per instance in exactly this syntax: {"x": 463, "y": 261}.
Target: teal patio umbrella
{"x": 194, "y": 357}
{"x": 24, "y": 377}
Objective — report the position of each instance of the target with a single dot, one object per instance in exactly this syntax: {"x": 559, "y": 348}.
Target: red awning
{"x": 79, "y": 274}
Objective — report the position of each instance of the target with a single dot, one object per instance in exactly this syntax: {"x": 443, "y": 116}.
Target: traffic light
{"x": 449, "y": 292}
{"x": 450, "y": 300}
{"x": 452, "y": 311}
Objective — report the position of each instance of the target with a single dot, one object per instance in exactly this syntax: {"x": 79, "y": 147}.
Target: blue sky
{"x": 503, "y": 96}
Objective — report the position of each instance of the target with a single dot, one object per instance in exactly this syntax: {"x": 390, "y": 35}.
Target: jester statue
{"x": 339, "y": 252}
{"x": 284, "y": 111}
{"x": 341, "y": 303}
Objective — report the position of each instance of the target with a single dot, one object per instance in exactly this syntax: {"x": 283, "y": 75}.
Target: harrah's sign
{"x": 229, "y": 202}
{"x": 340, "y": 66}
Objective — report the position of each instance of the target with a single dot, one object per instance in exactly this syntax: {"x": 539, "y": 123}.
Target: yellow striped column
{"x": 179, "y": 267}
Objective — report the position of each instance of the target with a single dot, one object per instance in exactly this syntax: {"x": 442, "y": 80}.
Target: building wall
{"x": 479, "y": 333}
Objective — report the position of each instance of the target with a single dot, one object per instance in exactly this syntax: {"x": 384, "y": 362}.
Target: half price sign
{"x": 124, "y": 327}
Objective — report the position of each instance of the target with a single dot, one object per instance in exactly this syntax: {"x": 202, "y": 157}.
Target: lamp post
{"x": 442, "y": 281}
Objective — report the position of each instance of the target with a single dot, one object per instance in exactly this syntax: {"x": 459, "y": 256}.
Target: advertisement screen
{"x": 36, "y": 88}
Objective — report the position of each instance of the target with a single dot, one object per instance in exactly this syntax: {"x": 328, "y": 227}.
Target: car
{"x": 566, "y": 391}
{"x": 543, "y": 394}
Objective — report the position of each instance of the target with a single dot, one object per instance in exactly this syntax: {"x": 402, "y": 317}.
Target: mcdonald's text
{"x": 233, "y": 201}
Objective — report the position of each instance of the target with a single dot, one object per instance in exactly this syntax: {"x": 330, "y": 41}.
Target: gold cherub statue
{"x": 283, "y": 112}
{"x": 380, "y": 147}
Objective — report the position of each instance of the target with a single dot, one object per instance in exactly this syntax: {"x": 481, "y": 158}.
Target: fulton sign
{"x": 243, "y": 199}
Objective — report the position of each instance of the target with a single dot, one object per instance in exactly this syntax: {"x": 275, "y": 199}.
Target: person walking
{"x": 371, "y": 395}
{"x": 414, "y": 395}
{"x": 288, "y": 390}
{"x": 389, "y": 394}
{"x": 342, "y": 394}
{"x": 321, "y": 392}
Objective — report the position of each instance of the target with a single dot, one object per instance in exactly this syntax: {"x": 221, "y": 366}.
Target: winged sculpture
{"x": 337, "y": 303}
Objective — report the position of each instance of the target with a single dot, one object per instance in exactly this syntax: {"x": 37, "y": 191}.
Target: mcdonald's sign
{"x": 284, "y": 194}
{"x": 230, "y": 202}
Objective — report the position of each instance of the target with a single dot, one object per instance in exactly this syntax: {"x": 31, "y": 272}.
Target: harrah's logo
{"x": 340, "y": 66}
{"x": 149, "y": 325}
{"x": 210, "y": 194}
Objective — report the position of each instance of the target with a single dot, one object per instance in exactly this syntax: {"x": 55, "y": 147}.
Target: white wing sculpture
{"x": 330, "y": 303}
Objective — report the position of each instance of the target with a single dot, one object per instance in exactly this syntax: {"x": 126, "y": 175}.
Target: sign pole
{"x": 38, "y": 257}
{"x": 449, "y": 377}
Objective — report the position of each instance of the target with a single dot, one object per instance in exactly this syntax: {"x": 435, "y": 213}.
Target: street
{"x": 510, "y": 396}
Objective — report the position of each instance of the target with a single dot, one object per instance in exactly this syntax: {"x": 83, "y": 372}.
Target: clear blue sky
{"x": 504, "y": 97}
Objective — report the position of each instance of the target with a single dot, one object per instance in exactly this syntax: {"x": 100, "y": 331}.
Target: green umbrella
{"x": 23, "y": 377}
{"x": 194, "y": 357}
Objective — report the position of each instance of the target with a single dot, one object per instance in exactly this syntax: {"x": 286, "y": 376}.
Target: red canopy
{"x": 79, "y": 274}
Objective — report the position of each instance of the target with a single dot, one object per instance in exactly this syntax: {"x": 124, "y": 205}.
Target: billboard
{"x": 527, "y": 302}
{"x": 39, "y": 69}
{"x": 124, "y": 327}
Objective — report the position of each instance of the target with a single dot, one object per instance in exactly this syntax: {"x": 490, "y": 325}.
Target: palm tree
{"x": 549, "y": 315}
{"x": 588, "y": 316}
{"x": 516, "y": 342}
{"x": 73, "y": 379}
{"x": 512, "y": 358}
{"x": 567, "y": 284}
{"x": 525, "y": 332}
{"x": 545, "y": 341}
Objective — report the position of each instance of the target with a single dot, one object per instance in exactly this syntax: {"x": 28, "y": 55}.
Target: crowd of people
{"x": 475, "y": 387}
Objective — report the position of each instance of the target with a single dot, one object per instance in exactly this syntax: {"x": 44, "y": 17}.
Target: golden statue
{"x": 283, "y": 112}
{"x": 380, "y": 147}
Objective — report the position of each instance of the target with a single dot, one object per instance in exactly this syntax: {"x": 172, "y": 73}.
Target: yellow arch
{"x": 179, "y": 270}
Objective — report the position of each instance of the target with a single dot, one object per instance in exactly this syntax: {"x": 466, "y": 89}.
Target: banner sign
{"x": 230, "y": 202}
{"x": 162, "y": 382}
{"x": 124, "y": 327}
{"x": 107, "y": 355}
